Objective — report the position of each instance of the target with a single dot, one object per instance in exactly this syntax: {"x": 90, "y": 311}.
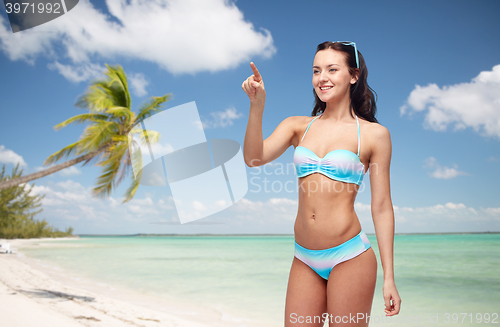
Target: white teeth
{"x": 326, "y": 88}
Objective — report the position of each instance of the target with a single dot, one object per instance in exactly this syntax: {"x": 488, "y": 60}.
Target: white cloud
{"x": 71, "y": 185}
{"x": 138, "y": 83}
{"x": 273, "y": 212}
{"x": 80, "y": 73}
{"x": 181, "y": 36}
{"x": 442, "y": 172}
{"x": 493, "y": 212}
{"x": 10, "y": 157}
{"x": 159, "y": 147}
{"x": 26, "y": 45}
{"x": 70, "y": 171}
{"x": 88, "y": 211}
{"x": 39, "y": 168}
{"x": 90, "y": 71}
{"x": 448, "y": 217}
{"x": 69, "y": 200}
{"x": 448, "y": 213}
{"x": 362, "y": 207}
{"x": 222, "y": 118}
{"x": 164, "y": 206}
{"x": 475, "y": 104}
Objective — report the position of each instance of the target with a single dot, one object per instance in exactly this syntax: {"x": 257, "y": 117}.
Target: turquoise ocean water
{"x": 443, "y": 279}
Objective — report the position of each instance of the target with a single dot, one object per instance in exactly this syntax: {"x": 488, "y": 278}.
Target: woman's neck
{"x": 337, "y": 110}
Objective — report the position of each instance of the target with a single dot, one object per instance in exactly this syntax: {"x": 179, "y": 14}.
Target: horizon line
{"x": 267, "y": 234}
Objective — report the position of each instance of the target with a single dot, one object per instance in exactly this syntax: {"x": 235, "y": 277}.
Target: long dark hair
{"x": 362, "y": 95}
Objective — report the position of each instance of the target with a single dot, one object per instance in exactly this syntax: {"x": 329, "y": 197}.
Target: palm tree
{"x": 106, "y": 139}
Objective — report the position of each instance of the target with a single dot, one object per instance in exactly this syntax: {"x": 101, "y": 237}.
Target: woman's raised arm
{"x": 257, "y": 152}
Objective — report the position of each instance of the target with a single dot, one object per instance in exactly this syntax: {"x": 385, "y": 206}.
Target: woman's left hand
{"x": 391, "y": 298}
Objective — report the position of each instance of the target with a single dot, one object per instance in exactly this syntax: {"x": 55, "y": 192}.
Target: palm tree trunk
{"x": 53, "y": 169}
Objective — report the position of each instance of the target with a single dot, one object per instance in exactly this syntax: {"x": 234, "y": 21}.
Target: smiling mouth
{"x": 324, "y": 88}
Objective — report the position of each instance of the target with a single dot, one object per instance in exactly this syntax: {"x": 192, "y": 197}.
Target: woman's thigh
{"x": 305, "y": 297}
{"x": 350, "y": 290}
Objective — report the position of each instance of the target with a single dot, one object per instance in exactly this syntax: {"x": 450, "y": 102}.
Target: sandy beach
{"x": 30, "y": 296}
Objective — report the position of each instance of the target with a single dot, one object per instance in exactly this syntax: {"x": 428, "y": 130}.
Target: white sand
{"x": 30, "y": 297}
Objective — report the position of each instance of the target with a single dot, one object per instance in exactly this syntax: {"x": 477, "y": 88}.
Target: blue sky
{"x": 433, "y": 64}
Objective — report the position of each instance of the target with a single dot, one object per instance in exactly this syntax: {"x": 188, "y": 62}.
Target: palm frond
{"x": 106, "y": 181}
{"x": 136, "y": 130}
{"x": 120, "y": 112}
{"x": 146, "y": 136}
{"x": 114, "y": 158}
{"x": 152, "y": 137}
{"x": 64, "y": 152}
{"x": 106, "y": 93}
{"x": 81, "y": 119}
{"x": 97, "y": 134}
{"x": 151, "y": 107}
{"x": 129, "y": 194}
{"x": 115, "y": 153}
{"x": 118, "y": 80}
{"x": 125, "y": 165}
{"x": 120, "y": 138}
{"x": 135, "y": 157}
{"x": 97, "y": 158}
{"x": 97, "y": 98}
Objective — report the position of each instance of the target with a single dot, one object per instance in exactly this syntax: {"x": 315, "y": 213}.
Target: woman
{"x": 334, "y": 269}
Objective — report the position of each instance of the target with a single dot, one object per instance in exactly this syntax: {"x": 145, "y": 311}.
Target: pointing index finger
{"x": 256, "y": 73}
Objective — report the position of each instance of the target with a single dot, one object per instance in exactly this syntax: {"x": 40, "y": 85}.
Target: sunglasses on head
{"x": 355, "y": 49}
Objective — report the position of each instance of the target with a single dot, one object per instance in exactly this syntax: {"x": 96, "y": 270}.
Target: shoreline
{"x": 36, "y": 293}
{"x": 288, "y": 235}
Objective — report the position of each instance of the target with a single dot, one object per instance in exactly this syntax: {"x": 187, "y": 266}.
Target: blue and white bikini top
{"x": 340, "y": 165}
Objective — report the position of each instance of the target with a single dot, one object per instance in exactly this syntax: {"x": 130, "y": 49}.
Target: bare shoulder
{"x": 299, "y": 119}
{"x": 377, "y": 139}
{"x": 376, "y": 132}
{"x": 294, "y": 119}
{"x": 299, "y": 125}
{"x": 296, "y": 122}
